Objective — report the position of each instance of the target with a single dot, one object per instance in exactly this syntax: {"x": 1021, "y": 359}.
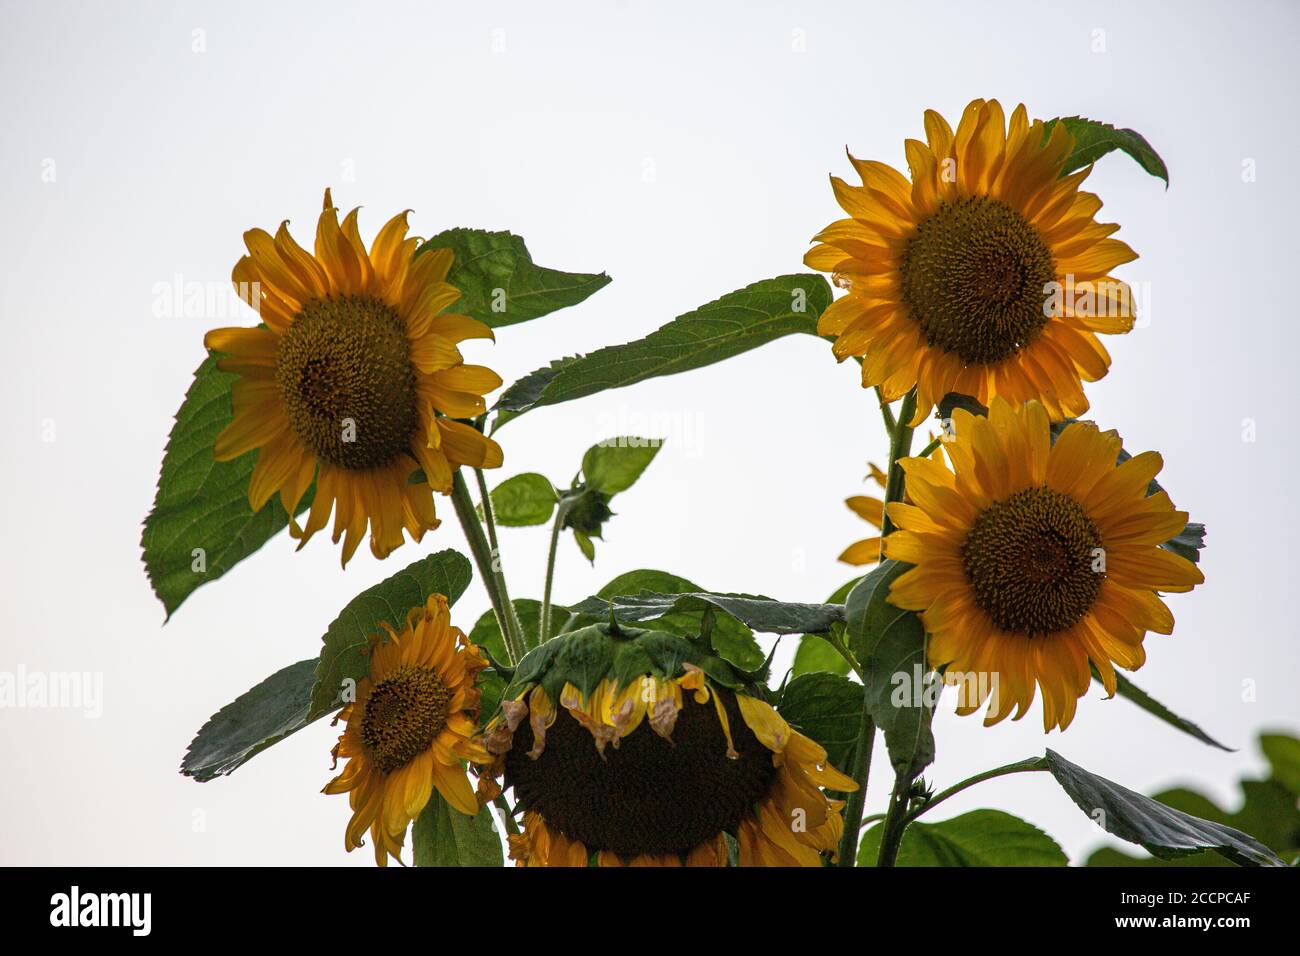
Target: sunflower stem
{"x": 896, "y": 821}
{"x": 1027, "y": 765}
{"x": 561, "y": 512}
{"x": 857, "y": 800}
{"x": 485, "y": 559}
{"x": 490, "y": 520}
{"x": 899, "y": 446}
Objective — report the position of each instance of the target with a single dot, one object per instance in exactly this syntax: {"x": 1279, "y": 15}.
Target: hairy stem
{"x": 485, "y": 561}
{"x": 561, "y": 512}
{"x": 1028, "y": 765}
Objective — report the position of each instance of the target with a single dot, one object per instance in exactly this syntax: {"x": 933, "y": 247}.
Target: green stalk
{"x": 857, "y": 800}
{"x": 490, "y": 520}
{"x": 899, "y": 448}
{"x": 896, "y": 820}
{"x": 561, "y": 512}
{"x": 1028, "y": 765}
{"x": 484, "y": 560}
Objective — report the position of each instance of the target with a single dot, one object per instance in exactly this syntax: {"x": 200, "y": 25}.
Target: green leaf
{"x": 754, "y": 611}
{"x": 1093, "y": 140}
{"x": 1269, "y": 811}
{"x": 443, "y": 836}
{"x": 1160, "y": 829}
{"x": 889, "y": 644}
{"x": 978, "y": 838}
{"x": 342, "y": 659}
{"x": 1283, "y": 753}
{"x": 585, "y": 545}
{"x": 1129, "y": 691}
{"x": 736, "y": 323}
{"x": 827, "y": 708}
{"x": 202, "y": 503}
{"x": 616, "y": 463}
{"x": 498, "y": 282}
{"x": 733, "y": 641}
{"x": 816, "y": 655}
{"x": 527, "y": 499}
{"x": 265, "y": 715}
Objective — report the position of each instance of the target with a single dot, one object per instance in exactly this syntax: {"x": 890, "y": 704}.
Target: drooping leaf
{"x": 527, "y": 499}
{"x": 1269, "y": 811}
{"x": 343, "y": 660}
{"x": 201, "y": 524}
{"x": 827, "y": 708}
{"x": 1093, "y": 140}
{"x": 265, "y": 715}
{"x": 736, "y": 323}
{"x": 733, "y": 641}
{"x": 977, "y": 838}
{"x": 1159, "y": 829}
{"x": 889, "y": 644}
{"x": 815, "y": 652}
{"x": 443, "y": 836}
{"x": 499, "y": 283}
{"x": 616, "y": 463}
{"x": 1129, "y": 691}
{"x": 756, "y": 612}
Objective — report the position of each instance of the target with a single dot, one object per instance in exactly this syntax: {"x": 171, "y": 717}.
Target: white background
{"x": 685, "y": 149}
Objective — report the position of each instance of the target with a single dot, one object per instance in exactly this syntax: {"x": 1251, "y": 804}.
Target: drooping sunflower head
{"x": 409, "y": 729}
{"x": 639, "y": 748}
{"x": 1035, "y": 559}
{"x": 353, "y": 379}
{"x": 986, "y": 274}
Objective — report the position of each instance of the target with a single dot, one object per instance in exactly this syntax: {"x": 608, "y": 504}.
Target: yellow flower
{"x": 1034, "y": 559}
{"x": 353, "y": 380}
{"x": 661, "y": 771}
{"x": 409, "y": 729}
{"x": 986, "y": 274}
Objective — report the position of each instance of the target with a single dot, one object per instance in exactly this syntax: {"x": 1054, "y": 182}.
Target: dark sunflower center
{"x": 649, "y": 795}
{"x": 1032, "y": 562}
{"x": 403, "y": 715}
{"x": 345, "y": 376}
{"x": 973, "y": 276}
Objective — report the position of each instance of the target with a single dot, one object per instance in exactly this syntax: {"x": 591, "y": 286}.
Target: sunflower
{"x": 987, "y": 274}
{"x": 639, "y": 748}
{"x": 353, "y": 380}
{"x": 409, "y": 729}
{"x": 1034, "y": 559}
{"x": 872, "y": 511}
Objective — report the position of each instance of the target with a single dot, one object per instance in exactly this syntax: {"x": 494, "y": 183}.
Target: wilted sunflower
{"x": 409, "y": 729}
{"x": 353, "y": 379}
{"x": 985, "y": 275}
{"x": 872, "y": 511}
{"x": 1034, "y": 559}
{"x": 640, "y": 748}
